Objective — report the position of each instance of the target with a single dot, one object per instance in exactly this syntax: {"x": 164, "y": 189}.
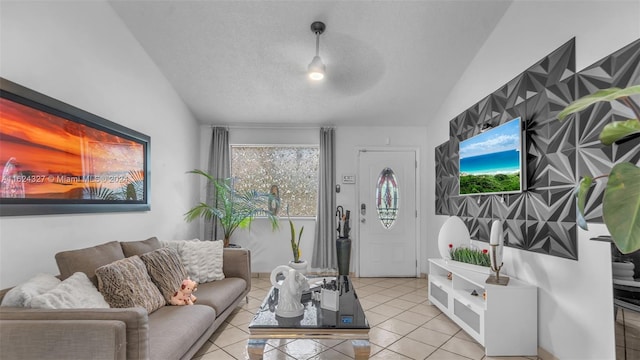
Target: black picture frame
{"x": 110, "y": 189}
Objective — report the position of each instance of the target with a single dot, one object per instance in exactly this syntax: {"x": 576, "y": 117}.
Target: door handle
{"x": 363, "y": 220}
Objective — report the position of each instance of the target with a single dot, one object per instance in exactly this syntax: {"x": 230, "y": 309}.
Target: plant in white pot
{"x": 297, "y": 263}
{"x": 233, "y": 209}
{"x": 621, "y": 201}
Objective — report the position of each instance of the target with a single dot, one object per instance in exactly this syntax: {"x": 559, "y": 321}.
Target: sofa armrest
{"x": 237, "y": 263}
{"x": 63, "y": 339}
{"x": 136, "y": 321}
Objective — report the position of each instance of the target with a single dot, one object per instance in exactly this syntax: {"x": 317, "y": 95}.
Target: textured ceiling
{"x": 244, "y": 62}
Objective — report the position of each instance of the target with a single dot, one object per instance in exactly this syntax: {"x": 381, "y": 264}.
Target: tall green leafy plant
{"x": 233, "y": 209}
{"x": 295, "y": 245}
{"x": 621, "y": 201}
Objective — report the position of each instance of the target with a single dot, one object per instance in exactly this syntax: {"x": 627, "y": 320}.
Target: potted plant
{"x": 621, "y": 201}
{"x": 296, "y": 263}
{"x": 232, "y": 208}
{"x": 470, "y": 256}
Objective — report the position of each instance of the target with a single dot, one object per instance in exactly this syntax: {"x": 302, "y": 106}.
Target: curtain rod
{"x": 273, "y": 127}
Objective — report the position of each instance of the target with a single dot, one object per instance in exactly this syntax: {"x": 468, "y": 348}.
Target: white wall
{"x": 575, "y": 297}
{"x": 82, "y": 54}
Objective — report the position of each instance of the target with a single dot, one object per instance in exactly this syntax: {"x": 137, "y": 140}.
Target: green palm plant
{"x": 233, "y": 209}
{"x": 621, "y": 201}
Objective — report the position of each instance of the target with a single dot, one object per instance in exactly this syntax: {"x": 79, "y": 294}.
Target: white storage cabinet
{"x": 506, "y": 323}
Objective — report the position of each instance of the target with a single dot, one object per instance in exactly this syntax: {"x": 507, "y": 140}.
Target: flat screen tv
{"x": 491, "y": 162}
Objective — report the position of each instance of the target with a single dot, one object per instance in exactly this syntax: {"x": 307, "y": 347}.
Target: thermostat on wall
{"x": 349, "y": 179}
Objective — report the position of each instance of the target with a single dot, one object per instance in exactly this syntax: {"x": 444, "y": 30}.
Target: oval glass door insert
{"x": 387, "y": 197}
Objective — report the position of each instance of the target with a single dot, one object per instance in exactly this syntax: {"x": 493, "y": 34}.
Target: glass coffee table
{"x": 348, "y": 323}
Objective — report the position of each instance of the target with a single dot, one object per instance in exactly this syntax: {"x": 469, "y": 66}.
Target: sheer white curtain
{"x": 324, "y": 248}
{"x": 219, "y": 167}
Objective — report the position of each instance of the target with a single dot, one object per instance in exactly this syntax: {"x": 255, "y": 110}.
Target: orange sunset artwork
{"x": 43, "y": 156}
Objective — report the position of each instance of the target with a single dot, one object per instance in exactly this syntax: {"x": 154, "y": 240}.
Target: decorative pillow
{"x": 130, "y": 248}
{"x": 22, "y": 294}
{"x": 125, "y": 283}
{"x": 88, "y": 260}
{"x": 176, "y": 245}
{"x": 166, "y": 270}
{"x": 75, "y": 292}
{"x": 201, "y": 259}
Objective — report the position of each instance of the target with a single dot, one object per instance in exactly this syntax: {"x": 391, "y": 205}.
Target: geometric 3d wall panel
{"x": 621, "y": 69}
{"x": 542, "y": 218}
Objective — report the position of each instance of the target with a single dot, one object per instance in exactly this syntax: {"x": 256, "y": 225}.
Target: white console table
{"x": 506, "y": 323}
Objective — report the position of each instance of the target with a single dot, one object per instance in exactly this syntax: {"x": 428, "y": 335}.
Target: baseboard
{"x": 310, "y": 273}
{"x": 545, "y": 355}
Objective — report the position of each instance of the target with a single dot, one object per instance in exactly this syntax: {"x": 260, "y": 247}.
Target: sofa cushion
{"x": 126, "y": 283}
{"x": 166, "y": 270}
{"x": 203, "y": 260}
{"x": 221, "y": 294}
{"x": 88, "y": 260}
{"x": 22, "y": 294}
{"x": 75, "y": 292}
{"x": 174, "y": 329}
{"x": 130, "y": 248}
{"x": 136, "y": 320}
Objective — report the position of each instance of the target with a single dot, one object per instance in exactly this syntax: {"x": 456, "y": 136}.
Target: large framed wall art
{"x": 58, "y": 159}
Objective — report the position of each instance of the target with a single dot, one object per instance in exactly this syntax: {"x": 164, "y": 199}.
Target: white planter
{"x": 470, "y": 267}
{"x": 301, "y": 266}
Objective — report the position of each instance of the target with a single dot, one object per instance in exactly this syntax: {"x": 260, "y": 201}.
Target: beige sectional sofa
{"x": 170, "y": 332}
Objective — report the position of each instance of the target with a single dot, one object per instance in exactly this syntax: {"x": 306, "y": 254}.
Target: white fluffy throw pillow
{"x": 75, "y": 292}
{"x": 22, "y": 294}
{"x": 201, "y": 259}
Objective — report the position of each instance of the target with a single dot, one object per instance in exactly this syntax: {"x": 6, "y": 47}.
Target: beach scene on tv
{"x": 490, "y": 162}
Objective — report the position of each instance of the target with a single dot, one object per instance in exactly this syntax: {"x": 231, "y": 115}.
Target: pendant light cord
{"x": 317, "y": 44}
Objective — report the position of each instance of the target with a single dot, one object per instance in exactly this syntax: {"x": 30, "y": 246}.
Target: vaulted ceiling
{"x": 245, "y": 62}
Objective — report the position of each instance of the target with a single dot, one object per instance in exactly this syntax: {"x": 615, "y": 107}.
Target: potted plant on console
{"x": 233, "y": 209}
{"x": 470, "y": 256}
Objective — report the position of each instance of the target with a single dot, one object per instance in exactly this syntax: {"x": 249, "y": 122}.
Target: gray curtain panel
{"x": 219, "y": 168}
{"x": 324, "y": 249}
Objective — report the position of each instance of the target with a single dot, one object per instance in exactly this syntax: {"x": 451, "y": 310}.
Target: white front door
{"x": 388, "y": 215}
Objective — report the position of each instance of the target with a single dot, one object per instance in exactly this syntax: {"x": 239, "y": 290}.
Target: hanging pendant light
{"x": 317, "y": 68}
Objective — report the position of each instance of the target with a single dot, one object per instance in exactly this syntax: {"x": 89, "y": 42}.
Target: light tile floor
{"x": 627, "y": 335}
{"x": 404, "y": 325}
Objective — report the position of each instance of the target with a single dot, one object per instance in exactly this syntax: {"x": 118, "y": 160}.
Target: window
{"x": 387, "y": 197}
{"x": 293, "y": 169}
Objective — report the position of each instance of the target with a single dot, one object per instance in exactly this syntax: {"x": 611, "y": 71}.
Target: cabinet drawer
{"x": 440, "y": 295}
{"x": 467, "y": 315}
